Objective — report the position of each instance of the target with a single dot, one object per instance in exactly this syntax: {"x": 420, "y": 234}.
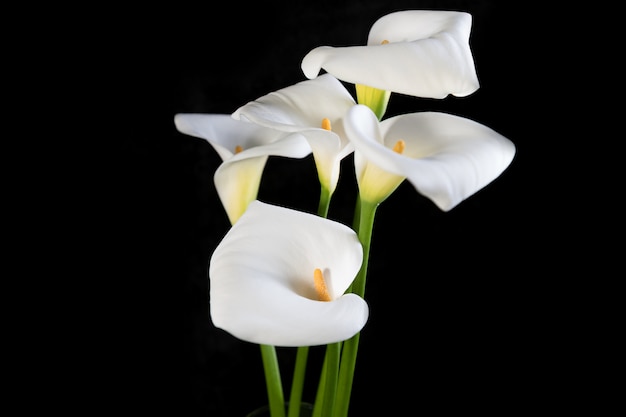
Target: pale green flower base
{"x": 306, "y": 410}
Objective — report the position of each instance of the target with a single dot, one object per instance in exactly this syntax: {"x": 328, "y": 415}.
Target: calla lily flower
{"x": 244, "y": 149}
{"x": 446, "y": 158}
{"x": 423, "y": 53}
{"x": 313, "y": 108}
{"x": 279, "y": 276}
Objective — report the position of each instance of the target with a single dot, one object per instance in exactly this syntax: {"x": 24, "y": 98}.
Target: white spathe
{"x": 300, "y": 108}
{"x": 428, "y": 55}
{"x": 238, "y": 178}
{"x": 447, "y": 158}
{"x": 261, "y": 278}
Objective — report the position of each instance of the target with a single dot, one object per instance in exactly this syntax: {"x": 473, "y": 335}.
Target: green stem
{"x": 324, "y": 203}
{"x": 273, "y": 381}
{"x": 297, "y": 384}
{"x": 366, "y": 215}
{"x": 357, "y": 215}
{"x": 332, "y": 371}
{"x": 321, "y": 388}
{"x": 346, "y": 375}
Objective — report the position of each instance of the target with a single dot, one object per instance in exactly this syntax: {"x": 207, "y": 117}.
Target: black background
{"x": 458, "y": 300}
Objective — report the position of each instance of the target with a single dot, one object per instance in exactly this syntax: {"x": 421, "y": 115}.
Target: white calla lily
{"x": 446, "y": 158}
{"x": 244, "y": 149}
{"x": 427, "y": 55}
{"x": 262, "y": 287}
{"x": 302, "y": 108}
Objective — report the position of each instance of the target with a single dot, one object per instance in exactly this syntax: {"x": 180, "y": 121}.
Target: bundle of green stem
{"x": 335, "y": 383}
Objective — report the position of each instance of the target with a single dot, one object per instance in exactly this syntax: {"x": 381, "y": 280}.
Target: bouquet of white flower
{"x": 283, "y": 277}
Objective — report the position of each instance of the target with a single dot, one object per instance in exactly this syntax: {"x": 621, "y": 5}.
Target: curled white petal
{"x": 428, "y": 55}
{"x": 238, "y": 178}
{"x": 224, "y": 134}
{"x": 261, "y": 279}
{"x": 447, "y": 158}
{"x": 237, "y": 183}
{"x": 300, "y": 108}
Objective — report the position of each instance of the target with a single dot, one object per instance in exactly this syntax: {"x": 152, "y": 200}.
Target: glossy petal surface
{"x": 428, "y": 55}
{"x": 447, "y": 158}
{"x": 300, "y": 108}
{"x": 261, "y": 279}
{"x": 238, "y": 178}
